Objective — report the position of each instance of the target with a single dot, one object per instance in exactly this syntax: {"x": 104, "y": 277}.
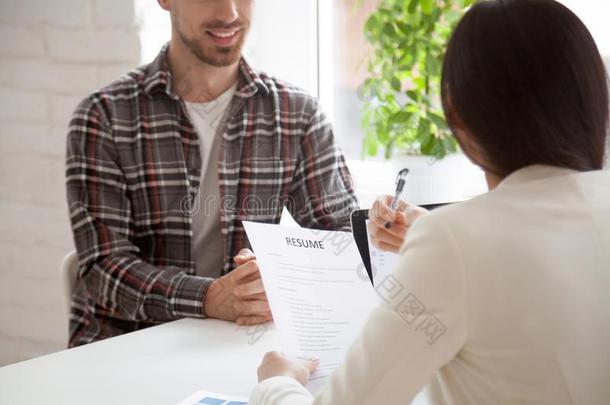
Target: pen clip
{"x": 401, "y": 179}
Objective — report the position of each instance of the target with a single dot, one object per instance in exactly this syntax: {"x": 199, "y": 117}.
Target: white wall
{"x": 52, "y": 54}
{"x": 283, "y": 41}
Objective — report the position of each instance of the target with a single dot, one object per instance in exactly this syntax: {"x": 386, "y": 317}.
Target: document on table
{"x": 383, "y": 263}
{"x": 211, "y": 398}
{"x": 318, "y": 290}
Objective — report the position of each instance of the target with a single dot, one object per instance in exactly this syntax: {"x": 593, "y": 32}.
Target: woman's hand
{"x": 391, "y": 239}
{"x": 275, "y": 364}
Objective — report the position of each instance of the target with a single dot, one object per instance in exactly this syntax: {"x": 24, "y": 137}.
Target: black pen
{"x": 400, "y": 185}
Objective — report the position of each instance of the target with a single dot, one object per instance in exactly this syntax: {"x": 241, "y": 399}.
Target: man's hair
{"x": 527, "y": 81}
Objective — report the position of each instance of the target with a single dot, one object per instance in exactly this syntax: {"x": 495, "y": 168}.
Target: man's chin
{"x": 222, "y": 57}
{"x": 214, "y": 55}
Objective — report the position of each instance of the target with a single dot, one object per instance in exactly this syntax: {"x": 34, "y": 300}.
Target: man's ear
{"x": 164, "y": 4}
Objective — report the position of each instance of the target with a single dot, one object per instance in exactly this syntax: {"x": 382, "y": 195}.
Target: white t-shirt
{"x": 208, "y": 248}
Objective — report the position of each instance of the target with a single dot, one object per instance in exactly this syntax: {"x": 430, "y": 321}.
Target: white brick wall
{"x": 52, "y": 54}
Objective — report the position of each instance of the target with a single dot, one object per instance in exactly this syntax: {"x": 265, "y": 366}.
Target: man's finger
{"x": 258, "y": 297}
{"x": 247, "y": 308}
{"x": 243, "y": 271}
{"x": 251, "y": 277}
{"x": 244, "y": 256}
{"x": 251, "y": 288}
{"x": 252, "y": 320}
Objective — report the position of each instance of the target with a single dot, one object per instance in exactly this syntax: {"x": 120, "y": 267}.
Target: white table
{"x": 159, "y": 365}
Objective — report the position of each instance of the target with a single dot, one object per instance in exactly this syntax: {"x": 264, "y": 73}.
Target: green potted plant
{"x": 402, "y": 111}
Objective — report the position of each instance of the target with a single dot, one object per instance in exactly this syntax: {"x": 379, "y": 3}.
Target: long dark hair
{"x": 526, "y": 80}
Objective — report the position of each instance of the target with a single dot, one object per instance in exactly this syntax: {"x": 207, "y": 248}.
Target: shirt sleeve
{"x": 115, "y": 277}
{"x": 322, "y": 195}
{"x": 420, "y": 326}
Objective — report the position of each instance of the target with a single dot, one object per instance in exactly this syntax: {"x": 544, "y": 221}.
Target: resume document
{"x": 318, "y": 290}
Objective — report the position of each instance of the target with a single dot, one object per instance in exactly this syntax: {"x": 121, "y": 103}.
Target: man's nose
{"x": 226, "y": 11}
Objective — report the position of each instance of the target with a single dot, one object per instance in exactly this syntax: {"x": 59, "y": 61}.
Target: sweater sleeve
{"x": 420, "y": 326}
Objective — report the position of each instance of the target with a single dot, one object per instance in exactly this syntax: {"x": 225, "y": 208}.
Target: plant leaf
{"x": 400, "y": 117}
{"x": 437, "y": 120}
{"x": 427, "y": 6}
{"x": 396, "y": 85}
{"x": 413, "y": 95}
{"x": 412, "y": 6}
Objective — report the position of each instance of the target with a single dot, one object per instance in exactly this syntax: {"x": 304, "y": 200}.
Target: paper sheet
{"x": 382, "y": 263}
{"x": 318, "y": 290}
{"x": 211, "y": 398}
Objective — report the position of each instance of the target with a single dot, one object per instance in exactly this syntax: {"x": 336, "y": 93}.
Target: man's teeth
{"x": 224, "y": 34}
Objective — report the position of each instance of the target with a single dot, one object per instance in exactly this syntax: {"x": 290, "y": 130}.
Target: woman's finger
{"x": 390, "y": 239}
{"x": 386, "y": 247}
{"x": 381, "y": 210}
{"x": 312, "y": 364}
{"x": 377, "y": 227}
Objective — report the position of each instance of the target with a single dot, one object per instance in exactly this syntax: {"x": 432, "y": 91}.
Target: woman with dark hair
{"x": 503, "y": 298}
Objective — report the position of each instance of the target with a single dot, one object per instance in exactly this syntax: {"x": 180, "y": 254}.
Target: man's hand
{"x": 391, "y": 239}
{"x": 275, "y": 364}
{"x": 239, "y": 296}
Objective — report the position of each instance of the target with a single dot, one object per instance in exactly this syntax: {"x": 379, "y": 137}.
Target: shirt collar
{"x": 159, "y": 77}
{"x": 534, "y": 172}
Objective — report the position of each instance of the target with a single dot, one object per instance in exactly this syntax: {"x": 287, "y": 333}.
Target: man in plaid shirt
{"x": 164, "y": 164}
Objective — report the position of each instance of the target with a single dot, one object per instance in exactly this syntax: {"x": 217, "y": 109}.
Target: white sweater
{"x": 503, "y": 299}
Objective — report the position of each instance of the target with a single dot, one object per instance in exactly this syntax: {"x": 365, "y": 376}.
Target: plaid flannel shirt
{"x": 133, "y": 170}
